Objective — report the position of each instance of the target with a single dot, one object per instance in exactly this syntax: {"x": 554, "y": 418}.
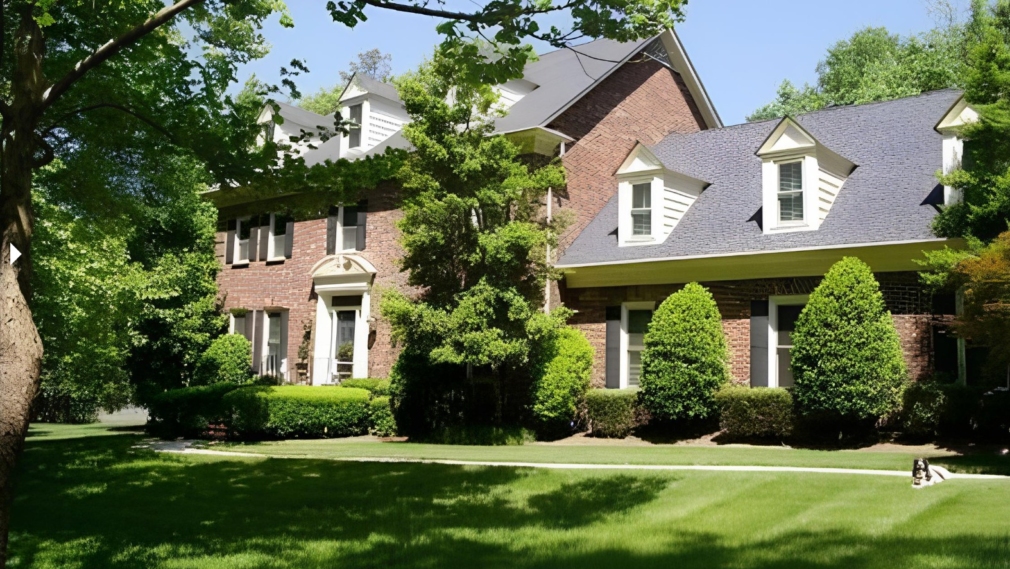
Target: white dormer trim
{"x": 671, "y": 195}
{"x": 823, "y": 173}
{"x": 960, "y": 114}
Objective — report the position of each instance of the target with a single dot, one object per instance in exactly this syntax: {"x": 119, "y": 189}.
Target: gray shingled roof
{"x": 562, "y": 77}
{"x": 377, "y": 87}
{"x": 300, "y": 116}
{"x": 886, "y": 198}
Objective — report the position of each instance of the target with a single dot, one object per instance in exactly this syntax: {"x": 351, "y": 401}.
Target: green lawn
{"x": 100, "y": 502}
{"x": 980, "y": 463}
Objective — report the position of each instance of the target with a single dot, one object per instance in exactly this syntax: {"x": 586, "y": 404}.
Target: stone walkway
{"x": 186, "y": 447}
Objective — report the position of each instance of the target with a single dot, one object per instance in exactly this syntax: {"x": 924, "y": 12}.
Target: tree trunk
{"x": 20, "y": 345}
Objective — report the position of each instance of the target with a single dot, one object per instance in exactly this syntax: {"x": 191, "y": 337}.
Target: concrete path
{"x": 185, "y": 447}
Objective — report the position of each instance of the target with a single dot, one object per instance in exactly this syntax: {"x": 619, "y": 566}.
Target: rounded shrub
{"x": 846, "y": 357}
{"x": 612, "y": 413}
{"x": 227, "y": 359}
{"x": 686, "y": 358}
{"x": 755, "y": 412}
{"x": 297, "y": 411}
{"x": 560, "y": 390}
{"x": 924, "y": 404}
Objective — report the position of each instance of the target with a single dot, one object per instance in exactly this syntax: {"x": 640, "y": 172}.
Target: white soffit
{"x": 959, "y": 115}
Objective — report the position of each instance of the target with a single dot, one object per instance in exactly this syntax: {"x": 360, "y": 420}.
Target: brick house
{"x": 316, "y": 284}
{"x": 661, "y": 194}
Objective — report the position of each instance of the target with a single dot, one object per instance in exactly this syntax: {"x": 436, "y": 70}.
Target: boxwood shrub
{"x": 377, "y": 387}
{"x": 189, "y": 411}
{"x": 380, "y": 418}
{"x": 755, "y": 412}
{"x": 228, "y": 359}
{"x": 846, "y": 356}
{"x": 297, "y": 411}
{"x": 923, "y": 410}
{"x": 612, "y": 413}
{"x": 560, "y": 390}
{"x": 686, "y": 358}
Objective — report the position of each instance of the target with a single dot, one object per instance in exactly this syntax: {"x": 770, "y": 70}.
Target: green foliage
{"x": 380, "y": 417}
{"x": 372, "y": 63}
{"x": 475, "y": 239}
{"x": 228, "y": 359}
{"x": 297, "y": 411}
{"x": 922, "y": 409}
{"x": 612, "y": 413}
{"x": 875, "y": 65}
{"x": 480, "y": 435}
{"x": 562, "y": 382}
{"x": 755, "y": 412}
{"x": 846, "y": 358}
{"x": 189, "y": 411}
{"x": 686, "y": 358}
{"x": 377, "y": 387}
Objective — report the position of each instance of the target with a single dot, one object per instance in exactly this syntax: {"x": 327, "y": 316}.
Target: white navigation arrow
{"x": 15, "y": 254}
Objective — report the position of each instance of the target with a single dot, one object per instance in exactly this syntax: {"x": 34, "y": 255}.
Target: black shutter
{"x": 265, "y": 237}
{"x": 257, "y": 340}
{"x": 613, "y": 347}
{"x": 254, "y": 237}
{"x": 759, "y": 343}
{"x": 362, "y": 218}
{"x": 229, "y": 246}
{"x": 289, "y": 238}
{"x": 331, "y": 231}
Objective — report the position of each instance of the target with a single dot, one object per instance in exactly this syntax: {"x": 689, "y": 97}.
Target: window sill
{"x": 645, "y": 240}
{"x": 240, "y": 264}
{"x": 276, "y": 260}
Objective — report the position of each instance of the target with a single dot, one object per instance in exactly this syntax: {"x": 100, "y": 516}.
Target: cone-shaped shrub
{"x": 846, "y": 356}
{"x": 686, "y": 359}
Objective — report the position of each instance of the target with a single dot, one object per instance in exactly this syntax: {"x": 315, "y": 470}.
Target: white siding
{"x": 675, "y": 205}
{"x": 828, "y": 187}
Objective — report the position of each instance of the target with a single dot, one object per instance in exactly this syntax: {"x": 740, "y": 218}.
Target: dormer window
{"x": 800, "y": 179}
{"x": 791, "y": 192}
{"x": 641, "y": 210}
{"x": 956, "y": 152}
{"x": 354, "y": 115}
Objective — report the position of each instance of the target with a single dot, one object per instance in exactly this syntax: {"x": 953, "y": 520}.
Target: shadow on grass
{"x": 101, "y": 503}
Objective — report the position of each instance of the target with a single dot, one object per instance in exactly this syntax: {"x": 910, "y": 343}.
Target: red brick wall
{"x": 908, "y": 302}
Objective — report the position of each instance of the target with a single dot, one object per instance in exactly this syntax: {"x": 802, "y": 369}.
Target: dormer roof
{"x": 789, "y": 137}
{"x": 959, "y": 114}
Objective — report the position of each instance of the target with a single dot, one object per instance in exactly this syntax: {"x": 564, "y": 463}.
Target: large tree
{"x": 875, "y": 65}
{"x": 165, "y": 69}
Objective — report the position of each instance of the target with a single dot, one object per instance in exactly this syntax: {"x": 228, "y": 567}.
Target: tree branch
{"x": 490, "y": 18}
{"x": 151, "y": 123}
{"x": 113, "y": 47}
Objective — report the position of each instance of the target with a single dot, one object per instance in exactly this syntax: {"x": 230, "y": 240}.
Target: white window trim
{"x": 264, "y": 342}
{"x": 625, "y": 308}
{"x": 953, "y": 155}
{"x": 238, "y": 232}
{"x": 339, "y": 245}
{"x": 231, "y": 321}
{"x": 272, "y": 254}
{"x": 323, "y": 332}
{"x": 778, "y": 193}
{"x": 774, "y": 302}
{"x": 625, "y": 195}
{"x": 770, "y": 183}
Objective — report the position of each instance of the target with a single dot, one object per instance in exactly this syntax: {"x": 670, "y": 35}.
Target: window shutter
{"x": 613, "y": 347}
{"x": 264, "y": 236}
{"x": 331, "y": 230}
{"x": 229, "y": 246}
{"x": 289, "y": 238}
{"x": 759, "y": 343}
{"x": 257, "y": 339}
{"x": 362, "y": 216}
{"x": 254, "y": 238}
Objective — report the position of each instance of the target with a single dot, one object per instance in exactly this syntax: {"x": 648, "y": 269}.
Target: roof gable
{"x": 960, "y": 114}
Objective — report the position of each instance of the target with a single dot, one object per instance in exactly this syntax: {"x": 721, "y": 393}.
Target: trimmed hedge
{"x": 686, "y": 358}
{"x": 297, "y": 411}
{"x": 612, "y": 413}
{"x": 376, "y": 387}
{"x": 380, "y": 418}
{"x": 846, "y": 357}
{"x": 189, "y": 411}
{"x": 228, "y": 359}
{"x": 755, "y": 412}
{"x": 560, "y": 391}
{"x": 923, "y": 409}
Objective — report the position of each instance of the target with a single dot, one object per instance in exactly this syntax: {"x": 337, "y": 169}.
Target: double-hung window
{"x": 790, "y": 194}
{"x": 243, "y": 230}
{"x": 354, "y": 136}
{"x": 641, "y": 210}
{"x": 277, "y": 244}
{"x": 638, "y": 323}
{"x": 348, "y": 228}
{"x": 238, "y": 325}
{"x": 272, "y": 364}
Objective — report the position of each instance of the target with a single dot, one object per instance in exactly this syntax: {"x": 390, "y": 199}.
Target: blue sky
{"x": 741, "y": 48}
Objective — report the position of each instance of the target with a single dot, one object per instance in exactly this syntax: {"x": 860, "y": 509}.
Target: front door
{"x": 342, "y": 350}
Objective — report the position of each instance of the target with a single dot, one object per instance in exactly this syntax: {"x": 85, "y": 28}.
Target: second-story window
{"x": 277, "y": 245}
{"x": 242, "y": 233}
{"x": 354, "y": 137}
{"x": 641, "y": 210}
{"x": 790, "y": 194}
{"x": 348, "y": 228}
